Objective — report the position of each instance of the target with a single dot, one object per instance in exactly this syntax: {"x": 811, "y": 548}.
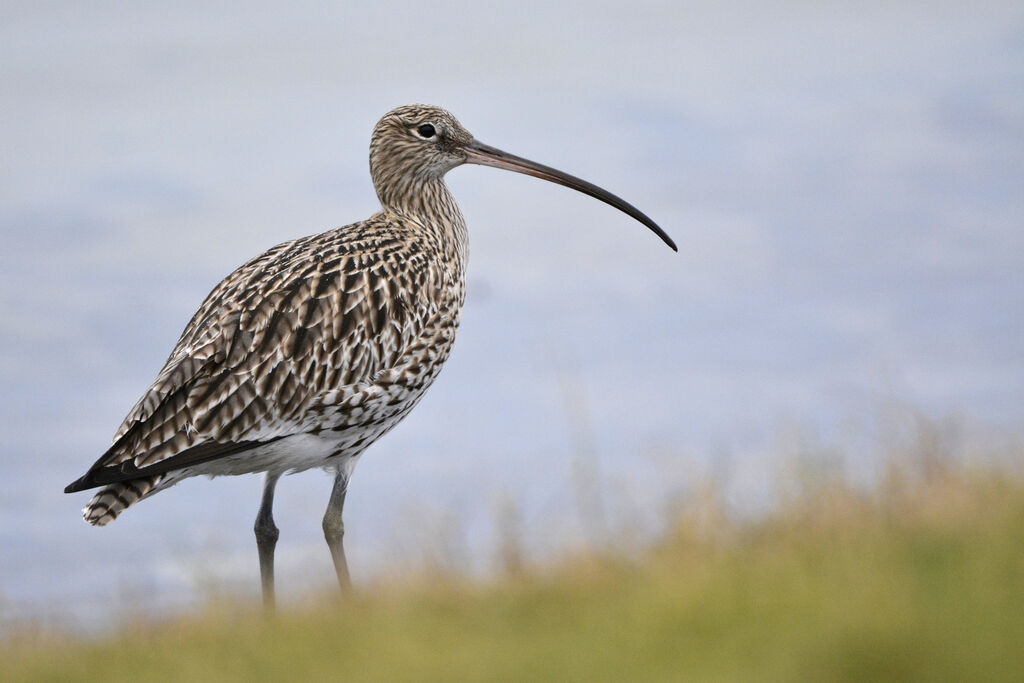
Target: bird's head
{"x": 417, "y": 142}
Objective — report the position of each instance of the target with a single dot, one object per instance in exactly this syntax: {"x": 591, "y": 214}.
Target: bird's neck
{"x": 430, "y": 204}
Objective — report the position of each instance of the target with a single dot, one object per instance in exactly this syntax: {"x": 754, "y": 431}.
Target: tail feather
{"x": 112, "y": 499}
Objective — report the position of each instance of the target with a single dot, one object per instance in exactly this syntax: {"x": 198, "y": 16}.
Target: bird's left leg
{"x": 266, "y": 539}
{"x": 334, "y": 530}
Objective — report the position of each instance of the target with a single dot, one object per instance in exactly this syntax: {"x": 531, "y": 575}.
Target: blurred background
{"x": 846, "y": 185}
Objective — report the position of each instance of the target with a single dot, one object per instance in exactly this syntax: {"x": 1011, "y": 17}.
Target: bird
{"x": 310, "y": 352}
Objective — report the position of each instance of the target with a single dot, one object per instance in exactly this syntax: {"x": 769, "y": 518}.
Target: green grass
{"x": 916, "y": 582}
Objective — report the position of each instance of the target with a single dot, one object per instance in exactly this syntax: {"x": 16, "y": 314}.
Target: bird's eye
{"x": 426, "y": 130}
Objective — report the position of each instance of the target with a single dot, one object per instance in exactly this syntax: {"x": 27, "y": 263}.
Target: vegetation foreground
{"x": 915, "y": 581}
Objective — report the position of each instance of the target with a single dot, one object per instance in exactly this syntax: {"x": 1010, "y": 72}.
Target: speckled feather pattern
{"x": 324, "y": 342}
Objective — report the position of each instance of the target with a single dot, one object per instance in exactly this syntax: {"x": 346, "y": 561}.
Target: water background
{"x": 846, "y": 185}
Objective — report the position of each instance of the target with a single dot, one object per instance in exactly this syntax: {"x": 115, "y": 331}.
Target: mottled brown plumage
{"x": 311, "y": 351}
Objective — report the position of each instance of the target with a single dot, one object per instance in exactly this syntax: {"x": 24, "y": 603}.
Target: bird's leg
{"x": 334, "y": 531}
{"x": 266, "y": 540}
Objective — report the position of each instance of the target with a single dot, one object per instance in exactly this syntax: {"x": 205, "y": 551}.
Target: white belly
{"x": 290, "y": 454}
{"x": 327, "y": 450}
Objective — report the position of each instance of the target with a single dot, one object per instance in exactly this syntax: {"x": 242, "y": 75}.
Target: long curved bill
{"x": 485, "y": 155}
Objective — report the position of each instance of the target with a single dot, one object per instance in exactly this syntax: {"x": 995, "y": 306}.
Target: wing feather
{"x": 304, "y": 320}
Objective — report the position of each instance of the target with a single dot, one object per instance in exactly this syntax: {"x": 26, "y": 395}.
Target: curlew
{"x": 313, "y": 350}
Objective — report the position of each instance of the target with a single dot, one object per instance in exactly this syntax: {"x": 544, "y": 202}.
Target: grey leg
{"x": 266, "y": 540}
{"x": 334, "y": 531}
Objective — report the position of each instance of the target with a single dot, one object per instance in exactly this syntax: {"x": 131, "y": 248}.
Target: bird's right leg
{"x": 334, "y": 531}
{"x": 266, "y": 539}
